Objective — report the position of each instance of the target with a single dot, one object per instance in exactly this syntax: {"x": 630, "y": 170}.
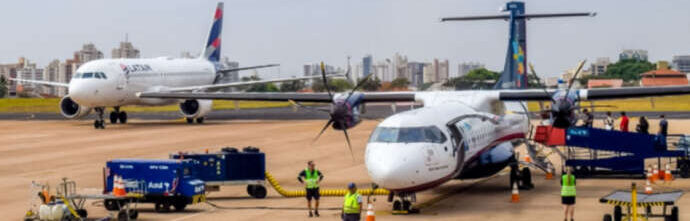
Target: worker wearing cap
{"x": 568, "y": 194}
{"x": 352, "y": 204}
{"x": 312, "y": 178}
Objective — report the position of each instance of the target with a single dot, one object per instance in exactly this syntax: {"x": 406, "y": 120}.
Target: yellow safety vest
{"x": 350, "y": 205}
{"x": 568, "y": 188}
{"x": 311, "y": 178}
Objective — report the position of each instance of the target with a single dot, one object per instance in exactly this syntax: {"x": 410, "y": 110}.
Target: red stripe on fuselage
{"x": 442, "y": 180}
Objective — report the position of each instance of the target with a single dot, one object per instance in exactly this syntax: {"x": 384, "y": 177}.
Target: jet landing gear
{"x": 523, "y": 177}
{"x": 99, "y": 123}
{"x": 199, "y": 120}
{"x": 403, "y": 205}
{"x": 118, "y": 115}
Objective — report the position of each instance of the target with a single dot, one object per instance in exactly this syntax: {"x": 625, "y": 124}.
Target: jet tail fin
{"x": 211, "y": 50}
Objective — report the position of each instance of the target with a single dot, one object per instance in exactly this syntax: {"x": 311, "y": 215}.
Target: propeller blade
{"x": 322, "y": 130}
{"x": 325, "y": 80}
{"x": 298, "y": 105}
{"x": 347, "y": 138}
{"x": 572, "y": 80}
{"x": 531, "y": 68}
{"x": 359, "y": 84}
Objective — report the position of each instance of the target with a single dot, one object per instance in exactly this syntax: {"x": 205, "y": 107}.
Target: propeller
{"x": 340, "y": 111}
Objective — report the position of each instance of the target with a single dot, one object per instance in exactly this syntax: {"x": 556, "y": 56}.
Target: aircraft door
{"x": 459, "y": 145}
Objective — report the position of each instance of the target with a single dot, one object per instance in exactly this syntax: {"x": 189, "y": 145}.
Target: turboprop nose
{"x": 390, "y": 168}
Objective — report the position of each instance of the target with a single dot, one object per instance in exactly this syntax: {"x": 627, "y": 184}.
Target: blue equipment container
{"x": 163, "y": 182}
{"x": 230, "y": 167}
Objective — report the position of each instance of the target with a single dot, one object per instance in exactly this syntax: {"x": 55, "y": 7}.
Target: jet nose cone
{"x": 77, "y": 92}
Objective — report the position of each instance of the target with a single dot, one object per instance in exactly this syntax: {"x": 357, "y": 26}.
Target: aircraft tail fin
{"x": 211, "y": 50}
{"x": 514, "y": 75}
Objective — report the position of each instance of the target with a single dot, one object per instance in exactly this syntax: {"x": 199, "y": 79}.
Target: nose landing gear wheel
{"x": 99, "y": 123}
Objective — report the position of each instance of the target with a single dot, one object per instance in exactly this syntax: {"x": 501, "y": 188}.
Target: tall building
{"x": 50, "y": 73}
{"x": 443, "y": 71}
{"x": 126, "y": 50}
{"x": 367, "y": 65}
{"x": 66, "y": 70}
{"x": 416, "y": 73}
{"x": 400, "y": 67}
{"x": 682, "y": 63}
{"x": 466, "y": 67}
{"x": 10, "y": 71}
{"x": 429, "y": 73}
{"x": 635, "y": 54}
{"x": 383, "y": 71}
{"x": 29, "y": 72}
{"x": 600, "y": 65}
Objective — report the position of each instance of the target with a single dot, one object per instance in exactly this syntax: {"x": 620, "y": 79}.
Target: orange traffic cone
{"x": 655, "y": 173}
{"x": 118, "y": 186}
{"x": 549, "y": 172}
{"x": 648, "y": 188}
{"x": 528, "y": 159}
{"x": 371, "y": 216}
{"x": 650, "y": 177}
{"x": 515, "y": 196}
{"x": 668, "y": 176}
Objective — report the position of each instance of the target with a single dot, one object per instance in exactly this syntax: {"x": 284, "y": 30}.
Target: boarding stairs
{"x": 593, "y": 151}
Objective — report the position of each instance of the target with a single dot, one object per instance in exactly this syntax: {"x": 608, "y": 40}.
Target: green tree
{"x": 475, "y": 79}
{"x": 400, "y": 82}
{"x": 292, "y": 86}
{"x": 266, "y": 87}
{"x": 628, "y": 70}
{"x": 373, "y": 84}
{"x": 3, "y": 86}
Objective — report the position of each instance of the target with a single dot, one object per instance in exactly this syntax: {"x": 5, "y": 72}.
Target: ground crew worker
{"x": 663, "y": 126}
{"x": 568, "y": 194}
{"x": 352, "y": 204}
{"x": 624, "y": 122}
{"x": 609, "y": 121}
{"x": 589, "y": 118}
{"x": 312, "y": 178}
{"x": 643, "y": 125}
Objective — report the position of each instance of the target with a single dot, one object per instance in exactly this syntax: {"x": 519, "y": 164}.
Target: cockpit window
{"x": 78, "y": 75}
{"x": 87, "y": 75}
{"x": 103, "y": 75}
{"x": 429, "y": 134}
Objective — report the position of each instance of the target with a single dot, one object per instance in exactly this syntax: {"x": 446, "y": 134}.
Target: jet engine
{"x": 196, "y": 108}
{"x": 72, "y": 110}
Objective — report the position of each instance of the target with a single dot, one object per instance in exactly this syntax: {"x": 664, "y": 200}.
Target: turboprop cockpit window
{"x": 430, "y": 134}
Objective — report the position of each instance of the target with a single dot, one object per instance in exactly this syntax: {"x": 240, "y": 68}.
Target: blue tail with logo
{"x": 211, "y": 49}
{"x": 514, "y": 75}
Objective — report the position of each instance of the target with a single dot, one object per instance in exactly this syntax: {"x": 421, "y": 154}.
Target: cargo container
{"x": 230, "y": 167}
{"x": 166, "y": 183}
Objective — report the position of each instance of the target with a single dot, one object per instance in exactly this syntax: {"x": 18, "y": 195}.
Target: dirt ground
{"x": 46, "y": 151}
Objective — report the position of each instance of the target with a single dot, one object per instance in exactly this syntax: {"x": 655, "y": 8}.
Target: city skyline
{"x": 311, "y": 32}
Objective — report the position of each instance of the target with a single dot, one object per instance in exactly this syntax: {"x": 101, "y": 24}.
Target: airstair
{"x": 593, "y": 151}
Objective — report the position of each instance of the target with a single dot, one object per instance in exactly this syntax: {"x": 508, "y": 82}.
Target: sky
{"x": 295, "y": 32}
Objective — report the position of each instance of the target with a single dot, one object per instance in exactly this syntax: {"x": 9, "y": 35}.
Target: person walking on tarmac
{"x": 312, "y": 178}
{"x": 609, "y": 121}
{"x": 588, "y": 118}
{"x": 663, "y": 126}
{"x": 352, "y": 204}
{"x": 624, "y": 122}
{"x": 568, "y": 194}
{"x": 643, "y": 125}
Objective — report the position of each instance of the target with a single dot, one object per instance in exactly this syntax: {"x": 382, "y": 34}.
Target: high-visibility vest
{"x": 568, "y": 188}
{"x": 311, "y": 178}
{"x": 350, "y": 204}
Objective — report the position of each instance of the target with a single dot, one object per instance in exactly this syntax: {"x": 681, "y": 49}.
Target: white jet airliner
{"x": 456, "y": 134}
{"x": 114, "y": 82}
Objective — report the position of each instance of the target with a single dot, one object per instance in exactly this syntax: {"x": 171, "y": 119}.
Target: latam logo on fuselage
{"x": 135, "y": 68}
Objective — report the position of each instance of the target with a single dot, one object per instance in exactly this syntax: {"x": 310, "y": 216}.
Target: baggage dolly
{"x": 628, "y": 198}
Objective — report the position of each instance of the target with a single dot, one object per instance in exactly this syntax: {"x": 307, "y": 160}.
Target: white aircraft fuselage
{"x": 126, "y": 77}
{"x": 461, "y": 134}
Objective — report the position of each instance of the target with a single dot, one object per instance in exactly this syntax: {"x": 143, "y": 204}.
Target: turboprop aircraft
{"x": 455, "y": 134}
{"x": 114, "y": 82}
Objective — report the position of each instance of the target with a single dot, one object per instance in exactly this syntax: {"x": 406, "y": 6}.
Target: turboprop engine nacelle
{"x": 196, "y": 108}
{"x": 72, "y": 110}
